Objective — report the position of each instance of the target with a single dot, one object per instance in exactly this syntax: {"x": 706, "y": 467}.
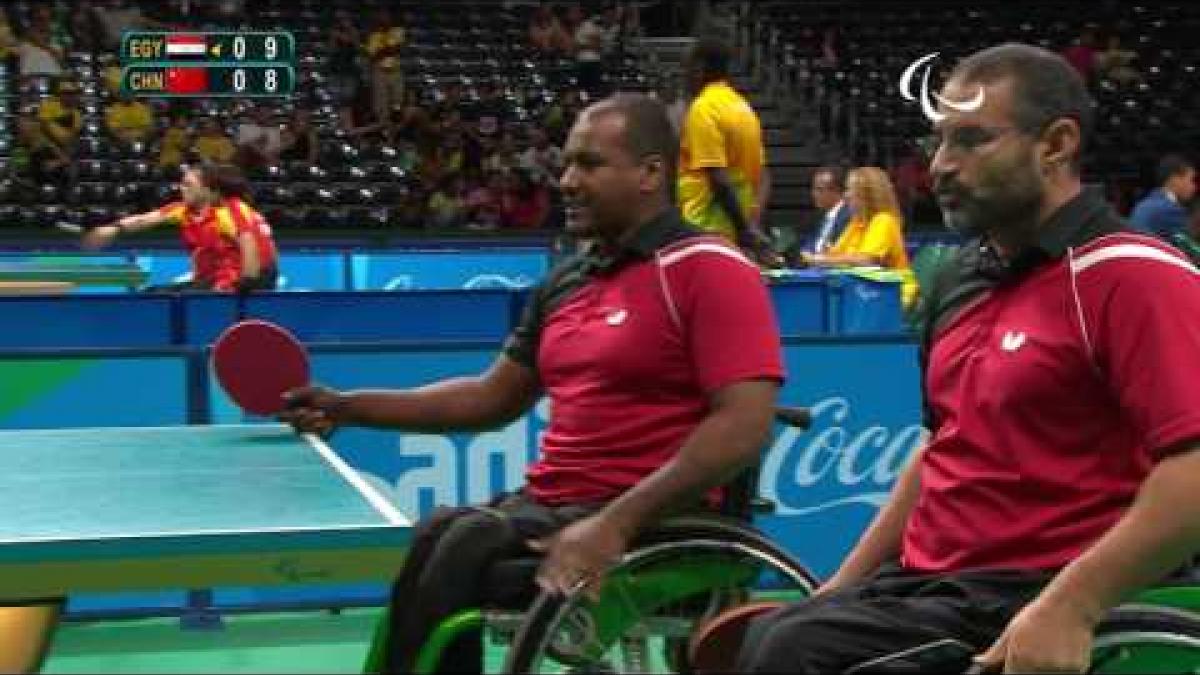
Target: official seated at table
{"x": 875, "y": 235}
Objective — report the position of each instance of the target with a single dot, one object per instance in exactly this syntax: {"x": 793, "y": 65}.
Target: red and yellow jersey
{"x": 247, "y": 220}
{"x": 211, "y": 238}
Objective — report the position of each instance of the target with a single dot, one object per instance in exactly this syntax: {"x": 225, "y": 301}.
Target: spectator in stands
{"x": 449, "y": 102}
{"x": 47, "y": 17}
{"x": 561, "y": 113}
{"x": 875, "y": 234}
{"x": 42, "y": 160}
{"x": 486, "y": 119}
{"x": 40, "y": 54}
{"x": 212, "y": 144}
{"x": 110, "y": 74}
{"x": 546, "y": 33}
{"x": 298, "y": 138}
{"x": 439, "y": 160}
{"x": 345, "y": 76}
{"x": 524, "y": 203}
{"x": 484, "y": 203}
{"x": 258, "y": 140}
{"x": 117, "y": 16}
{"x": 671, "y": 96}
{"x": 1082, "y": 54}
{"x": 592, "y": 40}
{"x": 409, "y": 119}
{"x": 503, "y": 156}
{"x": 543, "y": 160}
{"x": 1116, "y": 63}
{"x": 383, "y": 46}
{"x": 571, "y": 19}
{"x": 447, "y": 206}
{"x": 407, "y": 157}
{"x": 723, "y": 181}
{"x": 914, "y": 185}
{"x": 9, "y": 45}
{"x": 81, "y": 28}
{"x": 62, "y": 117}
{"x": 828, "y": 194}
{"x": 1163, "y": 212}
{"x": 831, "y": 47}
{"x": 129, "y": 120}
{"x": 176, "y": 139}
{"x": 411, "y": 213}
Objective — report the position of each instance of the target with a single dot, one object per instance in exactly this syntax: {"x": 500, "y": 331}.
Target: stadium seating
{"x": 859, "y": 96}
{"x": 467, "y": 43}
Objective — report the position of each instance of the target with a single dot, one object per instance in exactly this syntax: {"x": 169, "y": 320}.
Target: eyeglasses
{"x": 964, "y": 140}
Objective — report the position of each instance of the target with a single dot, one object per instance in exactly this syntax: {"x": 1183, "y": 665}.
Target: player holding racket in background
{"x": 230, "y": 243}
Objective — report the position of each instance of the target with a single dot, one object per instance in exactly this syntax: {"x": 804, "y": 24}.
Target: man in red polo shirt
{"x": 659, "y": 352}
{"x": 230, "y": 243}
{"x": 1061, "y": 380}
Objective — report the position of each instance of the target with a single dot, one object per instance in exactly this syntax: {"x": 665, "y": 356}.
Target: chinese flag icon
{"x": 187, "y": 81}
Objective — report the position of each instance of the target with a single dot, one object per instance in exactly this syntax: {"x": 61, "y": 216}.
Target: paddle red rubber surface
{"x": 257, "y": 361}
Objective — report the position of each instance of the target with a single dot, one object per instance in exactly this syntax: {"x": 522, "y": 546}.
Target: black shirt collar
{"x": 1080, "y": 220}
{"x": 662, "y": 230}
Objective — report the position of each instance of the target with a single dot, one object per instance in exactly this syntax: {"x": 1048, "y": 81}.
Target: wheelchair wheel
{"x": 1147, "y": 639}
{"x": 652, "y": 601}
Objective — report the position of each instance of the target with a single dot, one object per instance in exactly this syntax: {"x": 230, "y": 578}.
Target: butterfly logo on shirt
{"x": 1012, "y": 341}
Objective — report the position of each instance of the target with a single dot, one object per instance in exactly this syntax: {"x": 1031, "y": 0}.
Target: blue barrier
{"x": 801, "y": 302}
{"x": 164, "y": 267}
{"x": 408, "y": 270}
{"x": 369, "y": 316}
{"x": 449, "y": 269}
{"x": 87, "y": 321}
{"x": 303, "y": 271}
{"x": 865, "y": 307}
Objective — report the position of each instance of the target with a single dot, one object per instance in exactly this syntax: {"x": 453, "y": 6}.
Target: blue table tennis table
{"x": 140, "y": 508}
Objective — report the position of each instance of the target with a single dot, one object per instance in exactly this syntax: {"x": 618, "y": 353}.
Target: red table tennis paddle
{"x": 256, "y": 362}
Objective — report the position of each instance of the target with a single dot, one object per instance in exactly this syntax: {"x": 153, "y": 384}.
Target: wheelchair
{"x": 1158, "y": 631}
{"x": 676, "y": 575}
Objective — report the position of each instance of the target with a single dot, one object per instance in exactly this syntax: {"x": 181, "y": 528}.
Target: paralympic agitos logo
{"x": 928, "y": 97}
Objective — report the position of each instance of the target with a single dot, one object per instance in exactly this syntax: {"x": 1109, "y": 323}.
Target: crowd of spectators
{"x": 467, "y": 160}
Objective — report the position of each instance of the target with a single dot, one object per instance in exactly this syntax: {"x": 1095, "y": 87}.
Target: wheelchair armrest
{"x": 801, "y": 418}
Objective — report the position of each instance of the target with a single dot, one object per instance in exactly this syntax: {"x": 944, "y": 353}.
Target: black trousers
{"x": 892, "y": 612}
{"x": 444, "y": 570}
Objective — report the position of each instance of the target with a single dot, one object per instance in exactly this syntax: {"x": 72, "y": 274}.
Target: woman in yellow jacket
{"x": 875, "y": 234}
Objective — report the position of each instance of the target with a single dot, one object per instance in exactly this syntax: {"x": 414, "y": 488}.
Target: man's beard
{"x": 1006, "y": 211}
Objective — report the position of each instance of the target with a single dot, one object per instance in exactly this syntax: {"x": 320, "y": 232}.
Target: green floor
{"x": 309, "y": 642}
{"x": 297, "y": 642}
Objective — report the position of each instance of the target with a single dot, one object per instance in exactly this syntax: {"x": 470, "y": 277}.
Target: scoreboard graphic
{"x": 245, "y": 64}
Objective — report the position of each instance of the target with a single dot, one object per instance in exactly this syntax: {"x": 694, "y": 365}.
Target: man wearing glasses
{"x": 1060, "y": 379}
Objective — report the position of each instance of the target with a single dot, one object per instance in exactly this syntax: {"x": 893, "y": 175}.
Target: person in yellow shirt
{"x": 61, "y": 117}
{"x": 387, "y": 77}
{"x": 129, "y": 120}
{"x": 723, "y": 182}
{"x": 212, "y": 144}
{"x": 875, "y": 235}
{"x": 176, "y": 139}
